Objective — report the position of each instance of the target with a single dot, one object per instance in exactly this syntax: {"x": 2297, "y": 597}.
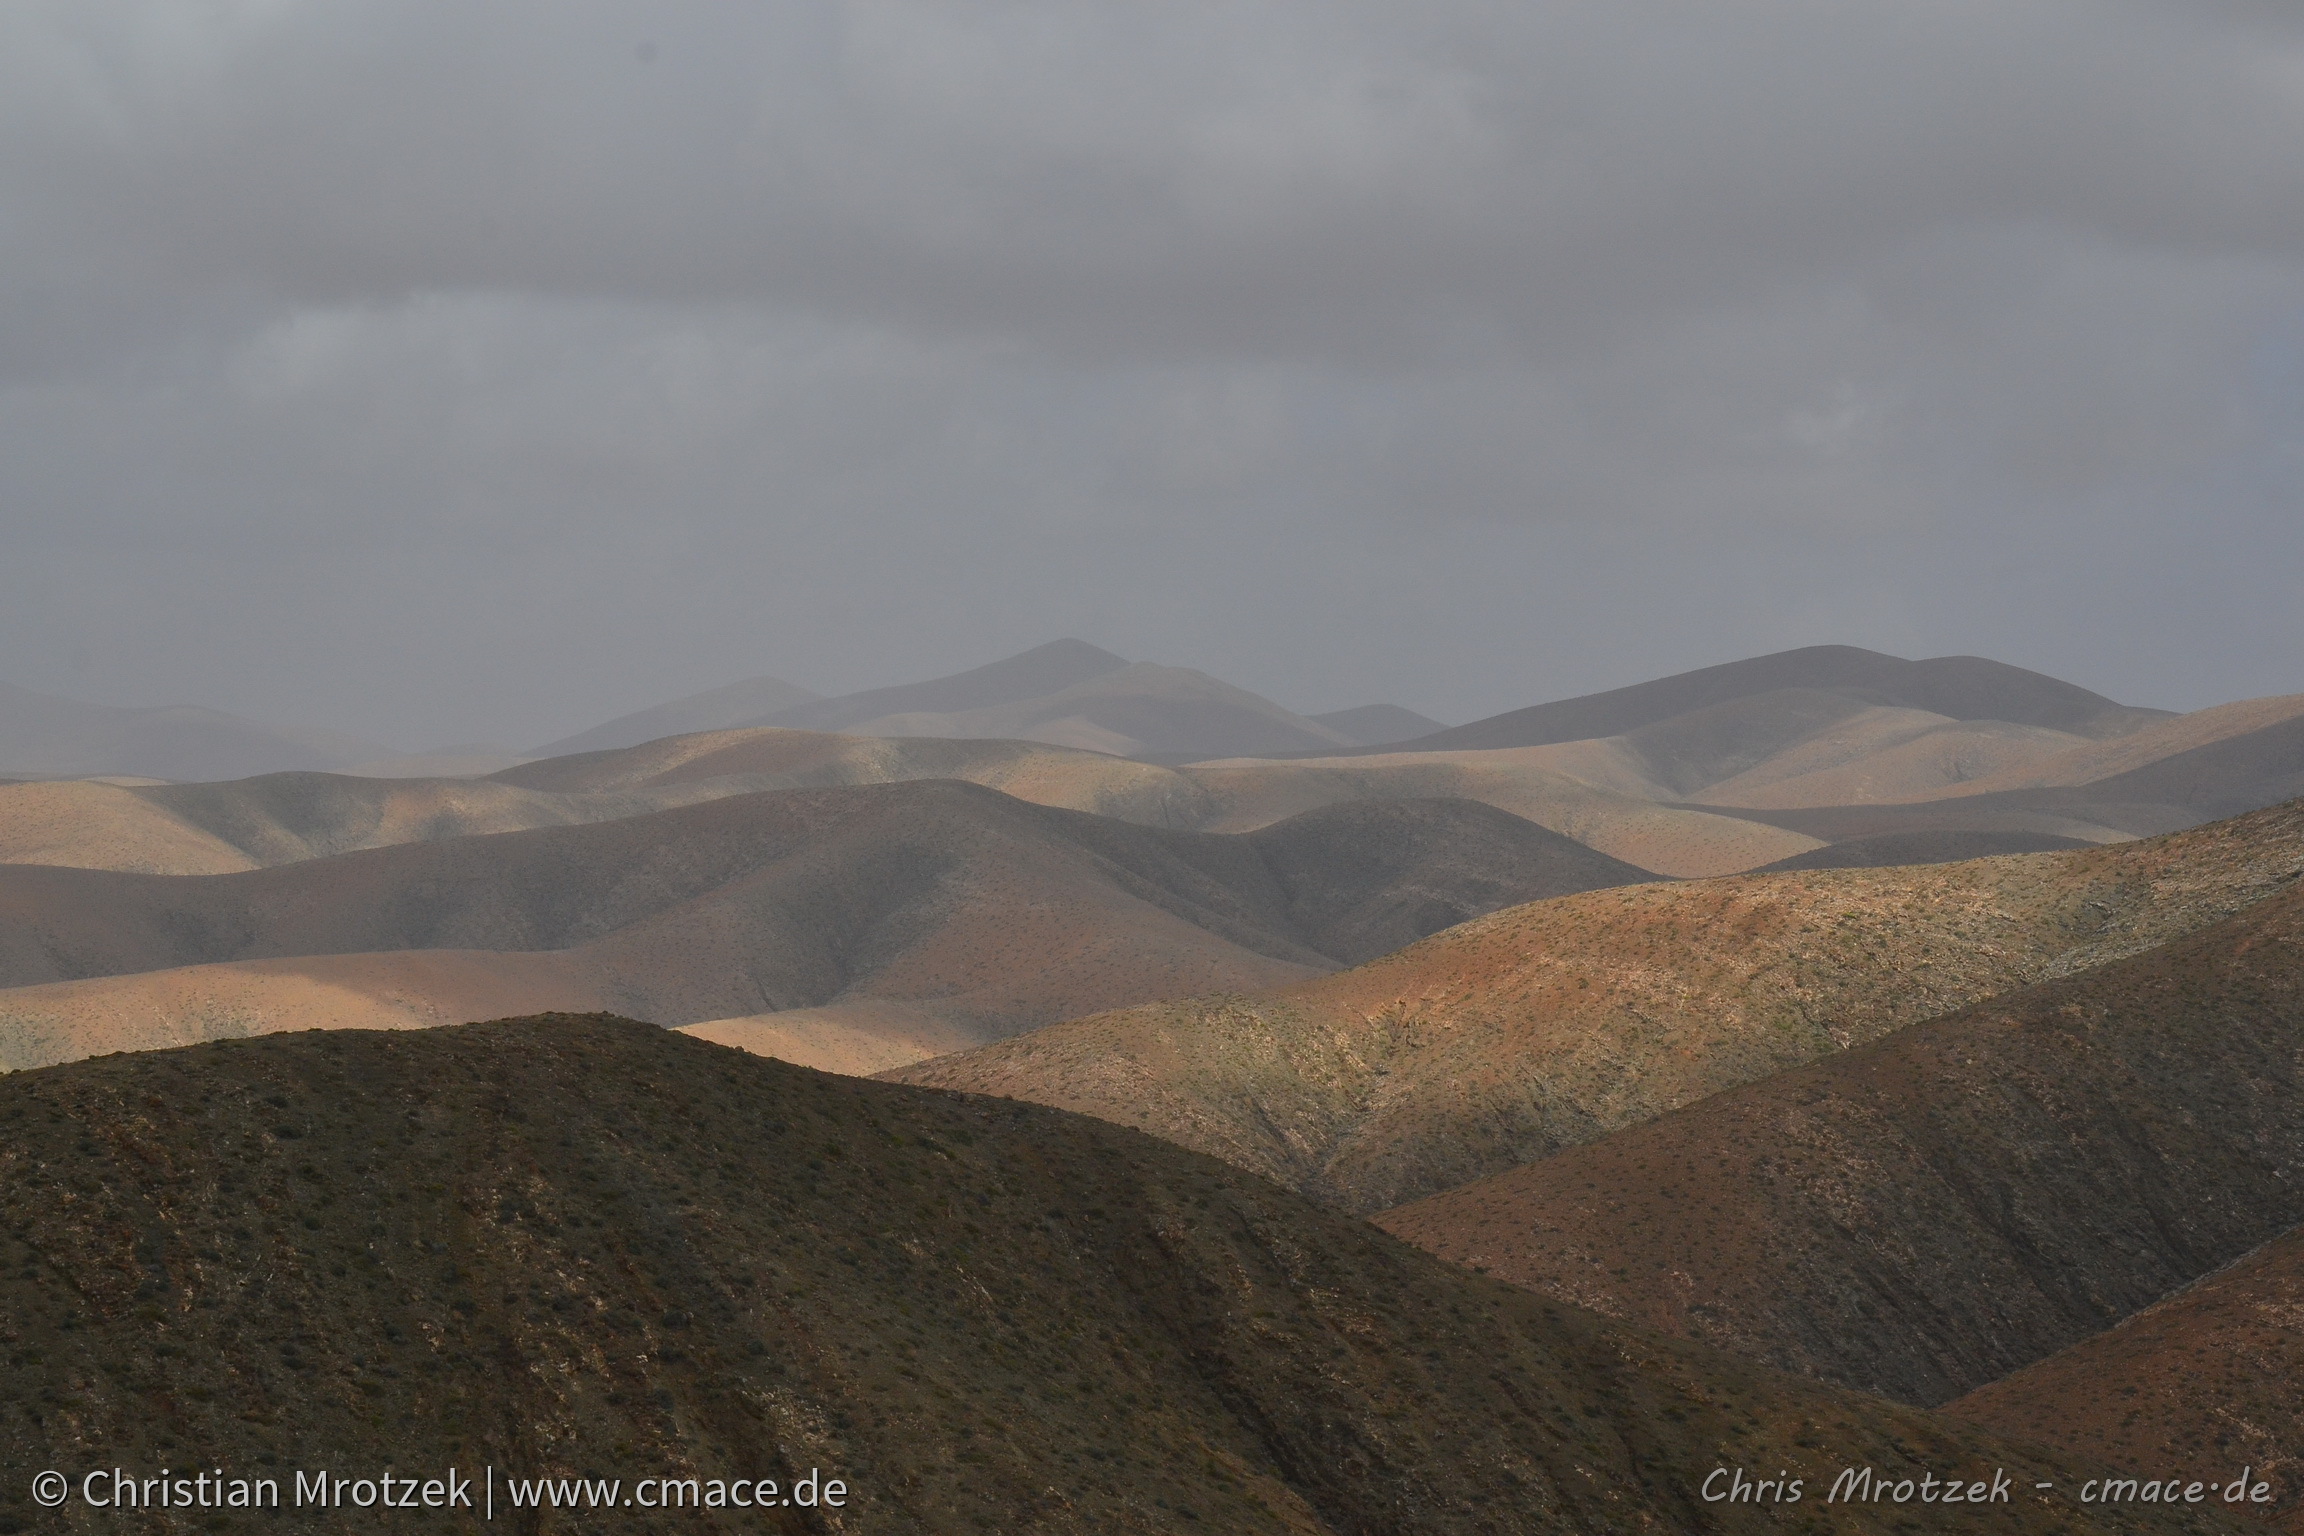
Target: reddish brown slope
{"x": 1928, "y": 1213}
{"x": 2206, "y": 1382}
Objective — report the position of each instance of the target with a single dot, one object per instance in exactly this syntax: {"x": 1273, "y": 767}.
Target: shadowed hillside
{"x": 2206, "y": 1382}
{"x": 580, "y": 1247}
{"x": 1926, "y": 1214}
{"x": 1536, "y": 1028}
{"x": 980, "y": 913}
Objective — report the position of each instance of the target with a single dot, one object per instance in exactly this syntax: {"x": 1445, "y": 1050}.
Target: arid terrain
{"x": 583, "y": 1247}
{"x": 1816, "y": 1061}
{"x": 1506, "y": 1039}
{"x": 1924, "y": 1214}
{"x": 907, "y": 919}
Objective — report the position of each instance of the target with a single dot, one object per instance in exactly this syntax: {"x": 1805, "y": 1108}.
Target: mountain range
{"x": 1066, "y": 693}
{"x": 1314, "y": 1124}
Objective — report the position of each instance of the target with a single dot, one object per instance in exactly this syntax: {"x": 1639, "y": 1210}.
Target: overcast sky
{"x": 451, "y": 372}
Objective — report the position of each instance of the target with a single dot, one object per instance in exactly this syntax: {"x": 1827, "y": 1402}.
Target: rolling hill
{"x": 1536, "y": 1028}
{"x": 2201, "y": 1384}
{"x": 282, "y": 818}
{"x": 585, "y": 1248}
{"x": 935, "y": 914}
{"x": 1923, "y": 1215}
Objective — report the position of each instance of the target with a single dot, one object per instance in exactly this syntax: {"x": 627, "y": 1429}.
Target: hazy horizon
{"x": 445, "y": 375}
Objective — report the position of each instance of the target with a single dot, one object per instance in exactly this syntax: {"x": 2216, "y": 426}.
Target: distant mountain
{"x": 716, "y": 709}
{"x": 1069, "y": 693}
{"x": 1032, "y": 674}
{"x": 1923, "y": 1214}
{"x": 585, "y": 1248}
{"x": 1956, "y": 687}
{"x": 906, "y": 919}
{"x": 1503, "y": 1040}
{"x": 1374, "y": 724}
{"x": 1169, "y": 714}
{"x": 46, "y": 737}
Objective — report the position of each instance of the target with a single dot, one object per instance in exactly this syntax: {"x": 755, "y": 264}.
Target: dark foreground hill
{"x": 581, "y": 1247}
{"x": 2206, "y": 1382}
{"x": 1930, "y": 1212}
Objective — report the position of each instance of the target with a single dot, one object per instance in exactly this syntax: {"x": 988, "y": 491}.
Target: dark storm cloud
{"x": 471, "y": 371}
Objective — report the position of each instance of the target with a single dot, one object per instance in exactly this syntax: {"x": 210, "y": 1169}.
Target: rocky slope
{"x": 1926, "y": 1214}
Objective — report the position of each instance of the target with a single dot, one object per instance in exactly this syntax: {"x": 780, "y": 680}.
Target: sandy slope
{"x": 1916, "y": 766}
{"x": 104, "y": 826}
{"x": 2087, "y": 762}
{"x": 1540, "y": 1027}
{"x": 419, "y": 989}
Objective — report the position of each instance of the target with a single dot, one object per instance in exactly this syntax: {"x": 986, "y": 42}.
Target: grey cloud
{"x": 459, "y": 371}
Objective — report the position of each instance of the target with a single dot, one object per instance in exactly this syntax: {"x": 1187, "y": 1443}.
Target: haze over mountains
{"x": 1066, "y": 693}
{"x": 45, "y": 737}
